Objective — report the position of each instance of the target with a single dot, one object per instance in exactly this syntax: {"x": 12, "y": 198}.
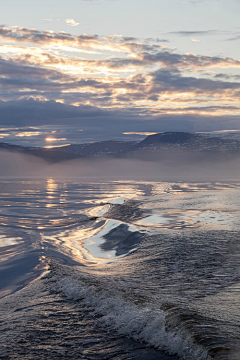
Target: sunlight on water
{"x": 7, "y": 241}
{"x": 145, "y": 256}
{"x": 192, "y": 219}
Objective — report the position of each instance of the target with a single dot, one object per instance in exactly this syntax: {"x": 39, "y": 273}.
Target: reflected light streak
{"x": 7, "y": 241}
{"x": 50, "y": 205}
{"x": 74, "y": 241}
{"x": 52, "y": 186}
{"x": 55, "y": 139}
{"x": 140, "y": 133}
{"x": 29, "y": 133}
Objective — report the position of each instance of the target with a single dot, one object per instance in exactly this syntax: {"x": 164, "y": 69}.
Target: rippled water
{"x": 119, "y": 270}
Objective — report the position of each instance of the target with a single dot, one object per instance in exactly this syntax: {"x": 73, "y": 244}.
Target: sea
{"x": 120, "y": 269}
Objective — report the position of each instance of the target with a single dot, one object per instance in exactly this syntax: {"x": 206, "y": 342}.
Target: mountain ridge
{"x": 152, "y": 148}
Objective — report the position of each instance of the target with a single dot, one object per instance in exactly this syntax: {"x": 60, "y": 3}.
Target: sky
{"x": 92, "y": 70}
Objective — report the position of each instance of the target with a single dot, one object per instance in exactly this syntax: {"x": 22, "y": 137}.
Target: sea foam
{"x": 120, "y": 309}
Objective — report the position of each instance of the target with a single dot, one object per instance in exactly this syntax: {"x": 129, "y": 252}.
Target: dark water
{"x": 119, "y": 270}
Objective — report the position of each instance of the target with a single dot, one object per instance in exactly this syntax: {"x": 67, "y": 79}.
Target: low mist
{"x": 171, "y": 168}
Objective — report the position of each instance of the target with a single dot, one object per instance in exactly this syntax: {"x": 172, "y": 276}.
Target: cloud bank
{"x": 114, "y": 76}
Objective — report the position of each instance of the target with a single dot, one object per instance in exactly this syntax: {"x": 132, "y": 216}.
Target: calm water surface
{"x": 119, "y": 270}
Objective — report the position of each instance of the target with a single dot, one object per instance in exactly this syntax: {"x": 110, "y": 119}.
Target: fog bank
{"x": 172, "y": 168}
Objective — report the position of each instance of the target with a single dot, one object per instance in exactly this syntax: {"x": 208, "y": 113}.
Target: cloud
{"x": 71, "y": 22}
{"x": 140, "y": 52}
{"x": 175, "y": 81}
{"x": 137, "y": 92}
{"x": 234, "y": 38}
{"x": 123, "y": 76}
{"x": 20, "y": 76}
{"x": 193, "y": 33}
{"x": 18, "y": 34}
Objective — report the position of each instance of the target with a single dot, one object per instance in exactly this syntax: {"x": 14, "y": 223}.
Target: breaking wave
{"x": 125, "y": 310}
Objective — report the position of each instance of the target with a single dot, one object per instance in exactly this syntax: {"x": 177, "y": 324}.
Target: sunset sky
{"x": 78, "y": 71}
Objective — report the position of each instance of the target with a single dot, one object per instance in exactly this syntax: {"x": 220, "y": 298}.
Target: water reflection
{"x": 114, "y": 239}
{"x": 98, "y": 241}
{"x": 67, "y": 219}
{"x": 51, "y": 190}
{"x": 190, "y": 219}
{"x": 121, "y": 239}
{"x": 52, "y": 186}
{"x": 9, "y": 241}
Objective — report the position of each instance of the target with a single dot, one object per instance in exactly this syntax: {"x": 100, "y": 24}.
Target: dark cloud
{"x": 31, "y": 112}
{"x": 176, "y": 82}
{"x": 36, "y": 112}
{"x": 222, "y": 76}
{"x": 129, "y": 38}
{"x": 170, "y": 59}
{"x": 227, "y": 76}
{"x": 193, "y": 33}
{"x": 21, "y": 34}
{"x": 157, "y": 40}
{"x": 234, "y": 38}
{"x": 13, "y": 68}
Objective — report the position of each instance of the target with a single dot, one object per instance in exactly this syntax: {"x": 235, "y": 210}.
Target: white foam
{"x": 123, "y": 310}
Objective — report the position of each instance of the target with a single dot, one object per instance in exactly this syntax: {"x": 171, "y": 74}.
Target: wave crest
{"x": 123, "y": 310}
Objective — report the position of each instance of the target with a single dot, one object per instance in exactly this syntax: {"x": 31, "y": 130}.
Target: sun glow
{"x": 55, "y": 139}
{"x": 28, "y": 133}
{"x": 139, "y": 133}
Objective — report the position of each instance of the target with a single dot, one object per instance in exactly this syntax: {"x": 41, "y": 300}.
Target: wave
{"x": 124, "y": 310}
